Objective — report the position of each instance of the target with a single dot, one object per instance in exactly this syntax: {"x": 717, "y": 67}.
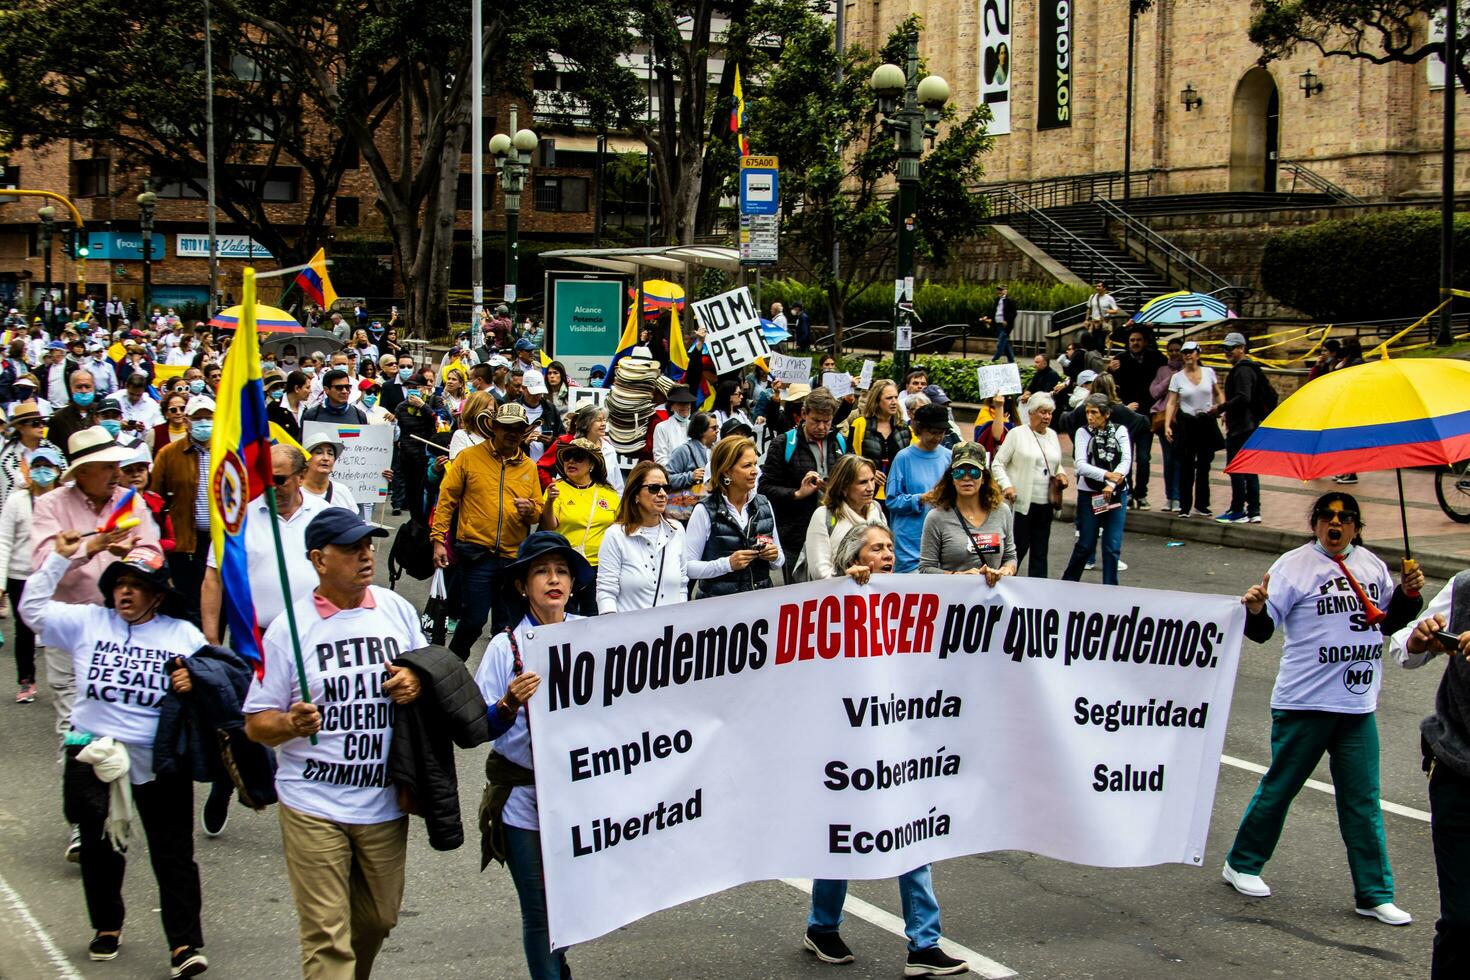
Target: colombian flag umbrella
{"x": 1383, "y": 415}
{"x": 267, "y": 318}
{"x": 660, "y": 294}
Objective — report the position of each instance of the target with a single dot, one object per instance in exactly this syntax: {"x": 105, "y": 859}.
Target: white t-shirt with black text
{"x": 1331, "y": 660}
{"x": 344, "y": 777}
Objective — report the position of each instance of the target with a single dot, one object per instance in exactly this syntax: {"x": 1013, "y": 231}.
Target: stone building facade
{"x": 1373, "y": 129}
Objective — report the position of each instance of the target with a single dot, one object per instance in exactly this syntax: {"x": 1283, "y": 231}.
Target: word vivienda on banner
{"x": 869, "y": 730}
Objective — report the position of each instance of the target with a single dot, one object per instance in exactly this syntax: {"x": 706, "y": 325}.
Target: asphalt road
{"x": 1031, "y": 915}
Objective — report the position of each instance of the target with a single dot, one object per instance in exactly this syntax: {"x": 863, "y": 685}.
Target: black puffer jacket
{"x": 449, "y": 712}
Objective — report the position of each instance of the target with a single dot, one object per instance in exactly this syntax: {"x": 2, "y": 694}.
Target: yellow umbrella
{"x": 267, "y": 318}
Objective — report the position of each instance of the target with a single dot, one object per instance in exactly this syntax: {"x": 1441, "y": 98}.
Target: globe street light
{"x": 48, "y": 226}
{"x": 911, "y": 108}
{"x": 513, "y": 161}
{"x": 146, "y": 202}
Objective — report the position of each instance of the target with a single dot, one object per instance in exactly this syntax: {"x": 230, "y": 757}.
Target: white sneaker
{"x": 1122, "y": 565}
{"x": 1253, "y": 887}
{"x": 1090, "y": 567}
{"x": 1171, "y": 506}
{"x": 1387, "y": 913}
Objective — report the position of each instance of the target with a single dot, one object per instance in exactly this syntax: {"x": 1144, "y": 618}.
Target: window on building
{"x": 178, "y": 188}
{"x": 464, "y": 196}
{"x": 347, "y": 212}
{"x": 487, "y": 130}
{"x": 277, "y": 185}
{"x": 562, "y": 194}
{"x": 90, "y": 177}
{"x": 9, "y": 178}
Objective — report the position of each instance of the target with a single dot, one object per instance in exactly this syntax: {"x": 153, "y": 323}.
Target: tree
{"x": 837, "y": 163}
{"x": 1379, "y": 32}
{"x": 143, "y": 93}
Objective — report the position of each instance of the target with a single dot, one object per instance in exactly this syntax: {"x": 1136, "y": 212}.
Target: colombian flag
{"x": 679, "y": 363}
{"x": 239, "y": 472}
{"x": 737, "y": 116}
{"x": 315, "y": 283}
{"x": 123, "y": 516}
{"x": 627, "y": 341}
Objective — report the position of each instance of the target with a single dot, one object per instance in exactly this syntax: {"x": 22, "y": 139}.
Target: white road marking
{"x": 1317, "y": 784}
{"x": 982, "y": 965}
{"x": 64, "y": 968}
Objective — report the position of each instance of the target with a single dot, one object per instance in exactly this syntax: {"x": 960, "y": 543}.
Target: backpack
{"x": 1263, "y": 396}
{"x": 412, "y": 553}
{"x": 791, "y": 443}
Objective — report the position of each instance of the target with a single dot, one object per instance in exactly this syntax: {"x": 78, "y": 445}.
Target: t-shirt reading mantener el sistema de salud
{"x": 344, "y": 777}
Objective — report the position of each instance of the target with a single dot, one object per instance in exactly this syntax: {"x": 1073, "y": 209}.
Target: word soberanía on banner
{"x": 865, "y": 731}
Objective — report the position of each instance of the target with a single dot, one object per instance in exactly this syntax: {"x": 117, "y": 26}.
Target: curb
{"x": 1254, "y": 537}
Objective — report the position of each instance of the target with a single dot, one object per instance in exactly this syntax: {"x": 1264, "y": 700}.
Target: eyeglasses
{"x": 657, "y": 489}
{"x": 280, "y": 480}
{"x": 33, "y": 423}
{"x": 1346, "y": 516}
{"x": 967, "y": 472}
{"x": 340, "y": 387}
{"x": 176, "y": 410}
{"x": 576, "y": 458}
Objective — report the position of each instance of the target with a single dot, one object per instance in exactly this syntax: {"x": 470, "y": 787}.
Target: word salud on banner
{"x": 858, "y": 714}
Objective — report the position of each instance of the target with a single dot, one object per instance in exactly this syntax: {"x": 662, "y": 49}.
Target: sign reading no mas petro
{"x": 732, "y": 330}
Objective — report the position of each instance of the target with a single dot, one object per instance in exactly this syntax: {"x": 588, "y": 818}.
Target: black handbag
{"x": 412, "y": 553}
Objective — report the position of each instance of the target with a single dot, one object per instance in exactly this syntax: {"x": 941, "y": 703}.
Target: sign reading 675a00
{"x": 760, "y": 191}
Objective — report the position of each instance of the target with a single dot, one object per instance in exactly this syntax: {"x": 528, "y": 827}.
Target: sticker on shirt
{"x": 987, "y": 542}
{"x": 357, "y": 717}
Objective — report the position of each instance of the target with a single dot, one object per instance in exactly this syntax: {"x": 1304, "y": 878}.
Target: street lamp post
{"x": 146, "y": 202}
{"x": 911, "y": 109}
{"x": 48, "y": 226}
{"x": 513, "y": 161}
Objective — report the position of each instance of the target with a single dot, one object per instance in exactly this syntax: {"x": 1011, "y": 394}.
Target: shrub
{"x": 1369, "y": 267}
{"x": 956, "y": 375}
{"x": 936, "y": 303}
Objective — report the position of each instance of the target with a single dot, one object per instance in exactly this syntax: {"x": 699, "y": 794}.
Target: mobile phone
{"x": 762, "y": 541}
{"x": 1450, "y": 640}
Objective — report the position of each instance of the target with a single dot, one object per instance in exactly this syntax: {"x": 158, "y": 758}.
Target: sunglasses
{"x": 577, "y": 458}
{"x": 1346, "y": 516}
{"x": 657, "y": 489}
{"x": 176, "y": 410}
{"x": 340, "y": 387}
{"x": 967, "y": 472}
{"x": 280, "y": 480}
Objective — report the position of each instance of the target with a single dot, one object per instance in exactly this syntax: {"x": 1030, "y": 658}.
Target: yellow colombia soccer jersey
{"x": 584, "y": 515}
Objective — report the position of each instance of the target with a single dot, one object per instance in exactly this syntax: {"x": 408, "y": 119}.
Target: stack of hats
{"x": 630, "y": 404}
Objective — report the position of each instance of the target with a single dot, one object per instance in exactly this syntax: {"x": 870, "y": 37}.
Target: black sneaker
{"x": 104, "y": 948}
{"x": 188, "y": 962}
{"x": 74, "y": 845}
{"x": 216, "y": 812}
{"x": 828, "y": 946}
{"x": 933, "y": 962}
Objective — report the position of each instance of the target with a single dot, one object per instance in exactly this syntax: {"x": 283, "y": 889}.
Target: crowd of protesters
{"x": 536, "y": 505}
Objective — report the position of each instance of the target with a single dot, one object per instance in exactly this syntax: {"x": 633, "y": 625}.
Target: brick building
{"x": 557, "y": 205}
{"x": 1373, "y": 129}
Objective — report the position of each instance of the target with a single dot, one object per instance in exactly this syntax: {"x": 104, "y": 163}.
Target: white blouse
{"x": 643, "y": 569}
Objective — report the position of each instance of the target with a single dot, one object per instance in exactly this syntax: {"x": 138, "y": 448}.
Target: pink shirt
{"x": 67, "y": 509}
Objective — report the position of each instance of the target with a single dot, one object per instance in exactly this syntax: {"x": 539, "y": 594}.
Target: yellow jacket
{"x": 481, "y": 489}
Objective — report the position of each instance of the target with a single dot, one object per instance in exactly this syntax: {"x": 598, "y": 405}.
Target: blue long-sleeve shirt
{"x": 914, "y": 473}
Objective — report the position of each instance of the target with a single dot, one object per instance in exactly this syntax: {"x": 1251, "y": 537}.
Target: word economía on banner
{"x": 879, "y": 624}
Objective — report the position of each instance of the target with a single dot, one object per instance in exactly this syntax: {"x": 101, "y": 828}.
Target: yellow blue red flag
{"x": 239, "y": 472}
{"x": 737, "y": 116}
{"x": 316, "y": 283}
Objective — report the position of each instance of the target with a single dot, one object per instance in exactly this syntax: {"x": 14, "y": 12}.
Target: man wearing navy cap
{"x": 343, "y": 833}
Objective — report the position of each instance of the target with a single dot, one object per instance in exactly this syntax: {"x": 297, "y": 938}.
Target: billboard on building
{"x": 1054, "y": 64}
{"x": 995, "y": 63}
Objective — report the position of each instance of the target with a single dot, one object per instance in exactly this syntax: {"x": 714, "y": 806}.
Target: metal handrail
{"x": 1077, "y": 255}
{"x": 1051, "y": 192}
{"x": 1319, "y": 183}
{"x": 1195, "y": 274}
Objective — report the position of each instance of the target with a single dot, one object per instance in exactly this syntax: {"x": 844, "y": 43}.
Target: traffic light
{"x": 82, "y": 248}
{"x": 66, "y": 236}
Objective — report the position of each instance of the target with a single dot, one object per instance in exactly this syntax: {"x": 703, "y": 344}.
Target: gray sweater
{"x": 946, "y": 546}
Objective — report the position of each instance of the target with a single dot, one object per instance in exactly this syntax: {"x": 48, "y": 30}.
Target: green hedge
{"x": 1370, "y": 267}
{"x": 956, "y": 375}
{"x": 936, "y": 303}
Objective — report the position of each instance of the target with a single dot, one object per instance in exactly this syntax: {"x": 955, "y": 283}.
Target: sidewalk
{"x": 1441, "y": 546}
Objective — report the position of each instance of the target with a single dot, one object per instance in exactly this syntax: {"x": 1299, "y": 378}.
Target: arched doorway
{"x": 1255, "y": 119}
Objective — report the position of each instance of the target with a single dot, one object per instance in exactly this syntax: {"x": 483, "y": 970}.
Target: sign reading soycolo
{"x": 1054, "y": 64}
{"x": 829, "y": 730}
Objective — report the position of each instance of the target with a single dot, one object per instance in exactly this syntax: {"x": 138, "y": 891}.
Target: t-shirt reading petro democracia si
{"x": 344, "y": 777}
{"x": 1332, "y": 659}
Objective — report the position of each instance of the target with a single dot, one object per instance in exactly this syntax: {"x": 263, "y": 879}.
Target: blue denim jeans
{"x": 524, "y": 859}
{"x": 1109, "y": 525}
{"x": 915, "y": 892}
{"x": 482, "y": 599}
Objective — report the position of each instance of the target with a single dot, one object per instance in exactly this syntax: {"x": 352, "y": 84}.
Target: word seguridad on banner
{"x": 829, "y": 730}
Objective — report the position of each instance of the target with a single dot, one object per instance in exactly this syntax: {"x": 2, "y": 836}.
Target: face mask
{"x": 370, "y": 401}
{"x": 196, "y": 387}
{"x": 113, "y": 426}
{"x": 309, "y": 371}
{"x": 44, "y": 476}
{"x": 415, "y": 398}
{"x": 276, "y": 394}
{"x": 83, "y": 398}
{"x": 201, "y": 431}
{"x": 288, "y": 361}
{"x": 405, "y": 373}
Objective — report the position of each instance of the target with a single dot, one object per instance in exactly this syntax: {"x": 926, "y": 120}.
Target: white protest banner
{"x": 761, "y": 436}
{"x": 367, "y": 450}
{"x": 830, "y": 730}
{"x": 732, "y": 330}
{"x": 998, "y": 379}
{"x": 581, "y": 395}
{"x": 838, "y": 383}
{"x": 865, "y": 379}
{"x": 792, "y": 370}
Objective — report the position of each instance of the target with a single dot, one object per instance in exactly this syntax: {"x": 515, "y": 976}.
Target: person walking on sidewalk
{"x": 1335, "y": 601}
{"x": 45, "y": 465}
{"x": 1445, "y": 739}
{"x": 1193, "y": 392}
{"x": 1247, "y": 393}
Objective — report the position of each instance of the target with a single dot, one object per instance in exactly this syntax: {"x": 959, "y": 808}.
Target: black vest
{"x": 1446, "y": 733}
{"x": 726, "y": 538}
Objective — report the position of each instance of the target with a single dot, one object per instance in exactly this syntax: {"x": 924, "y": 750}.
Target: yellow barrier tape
{"x": 1382, "y": 349}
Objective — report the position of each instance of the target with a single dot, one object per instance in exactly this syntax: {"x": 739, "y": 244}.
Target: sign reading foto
{"x": 732, "y": 329}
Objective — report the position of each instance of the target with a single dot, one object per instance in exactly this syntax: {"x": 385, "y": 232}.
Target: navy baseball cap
{"x": 525, "y": 344}
{"x": 337, "y": 525}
